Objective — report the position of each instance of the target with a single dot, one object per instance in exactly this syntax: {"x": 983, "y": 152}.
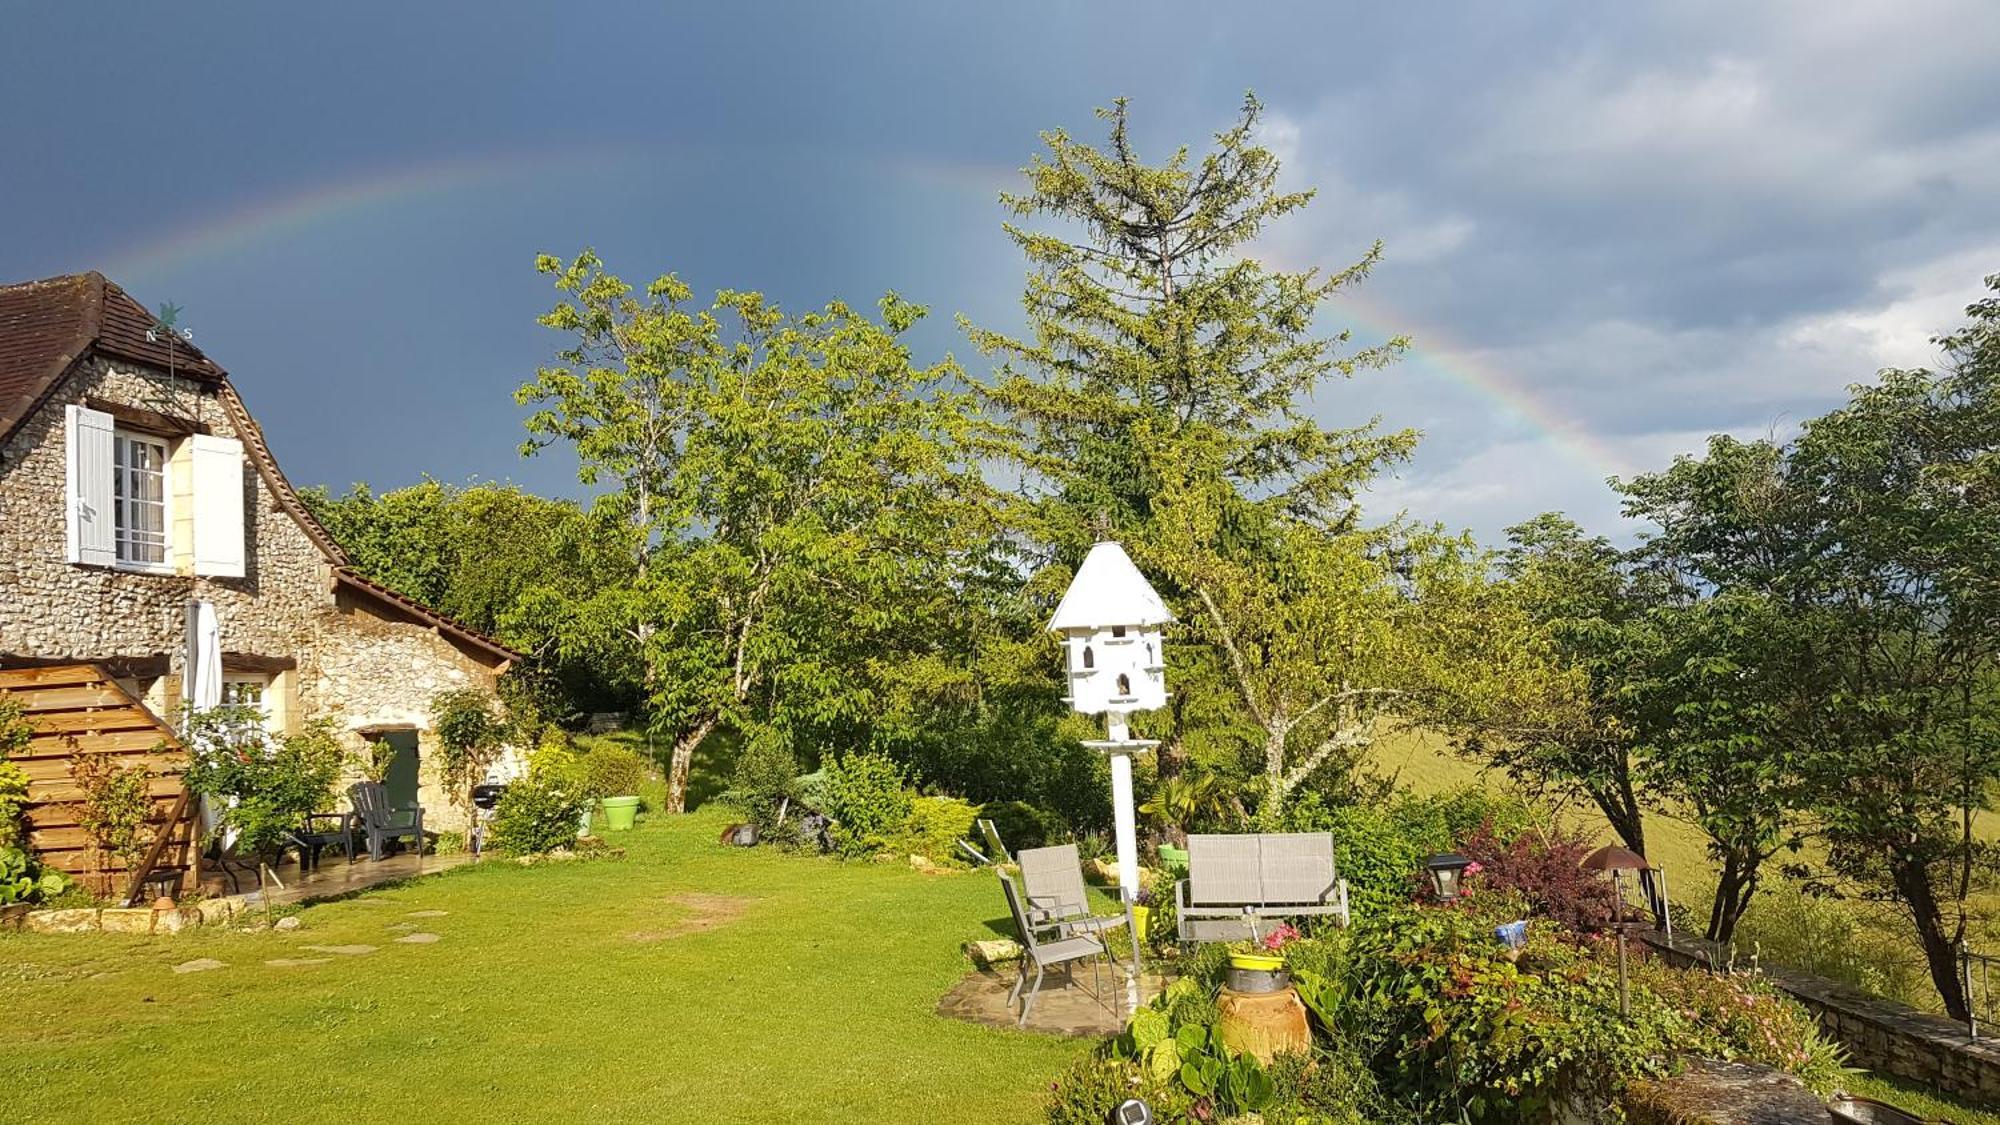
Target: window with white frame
{"x": 250, "y": 691}
{"x": 123, "y": 486}
{"x": 139, "y": 500}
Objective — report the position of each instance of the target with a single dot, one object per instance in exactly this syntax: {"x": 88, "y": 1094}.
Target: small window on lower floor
{"x": 251, "y": 690}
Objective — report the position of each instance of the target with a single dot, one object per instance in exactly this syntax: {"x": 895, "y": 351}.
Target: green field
{"x": 687, "y": 983}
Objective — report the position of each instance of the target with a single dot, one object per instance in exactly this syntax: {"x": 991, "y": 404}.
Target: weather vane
{"x": 167, "y": 324}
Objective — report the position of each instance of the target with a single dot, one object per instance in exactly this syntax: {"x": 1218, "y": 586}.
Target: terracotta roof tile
{"x": 44, "y": 327}
{"x": 47, "y": 325}
{"x": 123, "y": 333}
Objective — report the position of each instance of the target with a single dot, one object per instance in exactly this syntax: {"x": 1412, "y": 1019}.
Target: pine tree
{"x": 1162, "y": 396}
{"x": 1151, "y": 327}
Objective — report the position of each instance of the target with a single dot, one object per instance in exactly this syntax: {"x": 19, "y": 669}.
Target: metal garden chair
{"x": 1043, "y": 956}
{"x": 1053, "y": 880}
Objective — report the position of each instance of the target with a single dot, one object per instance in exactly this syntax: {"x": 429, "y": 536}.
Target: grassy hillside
{"x": 1867, "y": 944}
{"x": 1426, "y": 763}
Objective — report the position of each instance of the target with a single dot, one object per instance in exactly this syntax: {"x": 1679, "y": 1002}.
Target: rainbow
{"x": 1437, "y": 353}
{"x": 1434, "y": 352}
{"x": 289, "y": 215}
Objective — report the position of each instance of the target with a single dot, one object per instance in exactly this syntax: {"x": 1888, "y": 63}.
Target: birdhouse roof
{"x": 1109, "y": 590}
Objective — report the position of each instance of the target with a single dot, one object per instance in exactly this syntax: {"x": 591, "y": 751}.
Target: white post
{"x": 1125, "y": 828}
{"x": 1124, "y": 816}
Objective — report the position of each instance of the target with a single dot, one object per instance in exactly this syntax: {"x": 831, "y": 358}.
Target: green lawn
{"x": 688, "y": 983}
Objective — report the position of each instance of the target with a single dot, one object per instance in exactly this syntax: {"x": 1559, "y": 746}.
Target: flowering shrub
{"x": 1420, "y": 1014}
{"x": 1543, "y": 868}
{"x": 1279, "y": 938}
{"x": 264, "y": 784}
{"x": 1741, "y": 1017}
{"x": 539, "y": 814}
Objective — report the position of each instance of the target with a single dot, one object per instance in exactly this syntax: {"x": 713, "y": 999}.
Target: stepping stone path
{"x": 427, "y": 913}
{"x": 295, "y": 962}
{"x": 343, "y": 950}
{"x": 200, "y": 965}
{"x": 417, "y": 939}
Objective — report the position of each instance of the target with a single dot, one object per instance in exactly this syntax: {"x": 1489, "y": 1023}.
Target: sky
{"x": 1610, "y": 230}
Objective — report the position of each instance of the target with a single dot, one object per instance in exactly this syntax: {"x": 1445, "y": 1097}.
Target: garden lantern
{"x": 1447, "y": 874}
{"x": 1131, "y": 1111}
{"x": 1617, "y": 860}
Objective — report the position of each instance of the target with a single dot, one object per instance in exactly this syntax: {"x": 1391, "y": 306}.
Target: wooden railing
{"x": 168, "y": 831}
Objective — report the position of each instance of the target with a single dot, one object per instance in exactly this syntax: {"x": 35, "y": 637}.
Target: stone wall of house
{"x": 356, "y": 664}
{"x": 379, "y": 674}
{"x": 50, "y": 607}
{"x": 1878, "y": 1034}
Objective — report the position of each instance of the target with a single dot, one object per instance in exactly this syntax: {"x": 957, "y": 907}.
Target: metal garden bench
{"x": 1236, "y": 881}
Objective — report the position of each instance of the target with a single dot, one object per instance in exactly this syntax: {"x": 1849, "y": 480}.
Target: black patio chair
{"x": 321, "y": 831}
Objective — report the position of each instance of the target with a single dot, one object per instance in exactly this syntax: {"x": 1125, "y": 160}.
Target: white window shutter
{"x": 91, "y": 536}
{"x": 219, "y": 528}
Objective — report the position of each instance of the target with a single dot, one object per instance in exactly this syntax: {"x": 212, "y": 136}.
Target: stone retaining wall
{"x": 132, "y": 920}
{"x": 1879, "y": 1034}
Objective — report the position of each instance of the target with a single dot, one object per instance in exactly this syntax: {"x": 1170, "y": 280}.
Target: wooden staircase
{"x": 78, "y": 709}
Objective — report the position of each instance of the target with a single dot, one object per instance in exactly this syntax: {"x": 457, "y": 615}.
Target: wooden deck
{"x": 334, "y": 878}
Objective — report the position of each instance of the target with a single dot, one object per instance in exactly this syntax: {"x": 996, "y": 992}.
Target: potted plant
{"x": 1258, "y": 964}
{"x": 614, "y": 774}
{"x": 1142, "y": 912}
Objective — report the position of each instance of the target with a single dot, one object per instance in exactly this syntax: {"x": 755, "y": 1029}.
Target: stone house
{"x": 133, "y": 482}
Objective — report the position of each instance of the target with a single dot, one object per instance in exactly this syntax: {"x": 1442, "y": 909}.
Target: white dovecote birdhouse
{"x": 1110, "y": 621}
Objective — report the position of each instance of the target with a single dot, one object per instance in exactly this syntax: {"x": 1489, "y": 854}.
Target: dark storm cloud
{"x": 1655, "y": 222}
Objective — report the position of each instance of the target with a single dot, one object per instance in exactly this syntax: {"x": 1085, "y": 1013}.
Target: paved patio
{"x": 1063, "y": 1007}
{"x": 334, "y": 878}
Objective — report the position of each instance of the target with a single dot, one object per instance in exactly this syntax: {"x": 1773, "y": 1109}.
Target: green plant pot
{"x": 619, "y": 813}
{"x": 1173, "y": 858}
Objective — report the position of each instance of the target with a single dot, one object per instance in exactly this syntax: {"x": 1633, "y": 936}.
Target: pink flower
{"x": 1278, "y": 938}
{"x": 1474, "y": 868}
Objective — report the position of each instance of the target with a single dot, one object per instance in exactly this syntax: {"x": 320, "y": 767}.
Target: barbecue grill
{"x": 485, "y": 798}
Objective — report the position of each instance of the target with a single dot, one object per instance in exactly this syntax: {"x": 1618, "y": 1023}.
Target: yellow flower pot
{"x": 1257, "y": 962}
{"x": 1140, "y": 916}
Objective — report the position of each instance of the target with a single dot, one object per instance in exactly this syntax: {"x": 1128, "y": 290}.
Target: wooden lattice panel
{"x": 77, "y": 709}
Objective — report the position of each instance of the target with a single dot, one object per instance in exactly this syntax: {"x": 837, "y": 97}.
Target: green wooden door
{"x": 400, "y": 782}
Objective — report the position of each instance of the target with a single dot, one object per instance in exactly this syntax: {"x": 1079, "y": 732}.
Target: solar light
{"x": 1447, "y": 871}
{"x": 1131, "y": 1111}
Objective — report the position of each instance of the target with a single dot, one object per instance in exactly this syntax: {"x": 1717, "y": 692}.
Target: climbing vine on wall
{"x": 470, "y": 732}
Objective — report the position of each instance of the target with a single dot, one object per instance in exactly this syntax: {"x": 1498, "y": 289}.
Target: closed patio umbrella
{"x": 201, "y": 676}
